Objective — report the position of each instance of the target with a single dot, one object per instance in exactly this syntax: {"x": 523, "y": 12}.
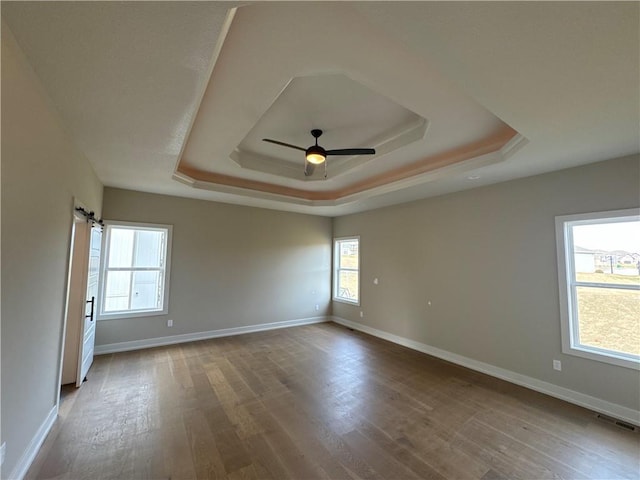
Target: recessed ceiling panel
{"x": 349, "y": 114}
{"x": 363, "y": 89}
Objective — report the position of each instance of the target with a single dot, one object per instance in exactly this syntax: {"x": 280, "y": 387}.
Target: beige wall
{"x": 231, "y": 266}
{"x": 41, "y": 173}
{"x": 486, "y": 259}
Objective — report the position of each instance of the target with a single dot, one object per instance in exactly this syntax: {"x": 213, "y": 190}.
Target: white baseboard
{"x": 602, "y": 406}
{"x": 21, "y": 468}
{"x": 190, "y": 337}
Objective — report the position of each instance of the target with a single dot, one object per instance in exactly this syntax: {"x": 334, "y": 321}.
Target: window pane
{"x": 609, "y": 318}
{"x": 347, "y": 285}
{"x": 120, "y": 248}
{"x": 148, "y": 249}
{"x": 146, "y": 290}
{"x": 348, "y": 254}
{"x": 117, "y": 291}
{"x": 607, "y": 252}
{"x": 135, "y": 270}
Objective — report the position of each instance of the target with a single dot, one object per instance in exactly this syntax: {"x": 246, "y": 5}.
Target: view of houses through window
{"x": 603, "y": 284}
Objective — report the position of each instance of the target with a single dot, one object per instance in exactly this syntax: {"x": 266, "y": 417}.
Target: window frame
{"x": 337, "y": 269}
{"x": 567, "y": 284}
{"x": 108, "y": 224}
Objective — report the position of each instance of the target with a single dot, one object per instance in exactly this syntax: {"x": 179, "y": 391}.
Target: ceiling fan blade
{"x": 352, "y": 151}
{"x": 283, "y": 144}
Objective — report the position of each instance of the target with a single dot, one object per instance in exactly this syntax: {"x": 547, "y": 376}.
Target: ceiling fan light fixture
{"x": 316, "y": 155}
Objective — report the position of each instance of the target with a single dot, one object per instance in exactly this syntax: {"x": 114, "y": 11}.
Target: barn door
{"x": 88, "y": 330}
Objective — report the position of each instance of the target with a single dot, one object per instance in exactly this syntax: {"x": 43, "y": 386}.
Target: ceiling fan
{"x": 316, "y": 155}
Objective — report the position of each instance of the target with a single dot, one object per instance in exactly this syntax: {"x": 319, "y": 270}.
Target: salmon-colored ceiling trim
{"x": 217, "y": 178}
{"x": 487, "y": 145}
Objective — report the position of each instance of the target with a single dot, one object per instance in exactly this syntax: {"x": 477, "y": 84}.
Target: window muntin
{"x": 346, "y": 278}
{"x": 599, "y": 272}
{"x": 136, "y": 264}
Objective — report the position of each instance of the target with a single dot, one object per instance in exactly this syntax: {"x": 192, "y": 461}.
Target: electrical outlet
{"x": 3, "y": 448}
{"x": 317, "y": 307}
{"x": 361, "y": 314}
{"x": 375, "y": 281}
{"x": 169, "y": 323}
{"x": 557, "y": 365}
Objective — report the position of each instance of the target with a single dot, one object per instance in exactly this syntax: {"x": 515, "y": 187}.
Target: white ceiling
{"x": 151, "y": 90}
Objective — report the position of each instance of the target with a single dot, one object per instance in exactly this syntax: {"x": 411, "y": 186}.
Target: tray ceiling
{"x": 175, "y": 97}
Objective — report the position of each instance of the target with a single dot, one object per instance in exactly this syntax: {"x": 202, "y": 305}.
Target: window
{"x": 346, "y": 274}
{"x": 599, "y": 272}
{"x": 135, "y": 273}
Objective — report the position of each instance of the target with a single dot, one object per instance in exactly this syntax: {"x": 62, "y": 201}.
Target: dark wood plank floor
{"x": 319, "y": 401}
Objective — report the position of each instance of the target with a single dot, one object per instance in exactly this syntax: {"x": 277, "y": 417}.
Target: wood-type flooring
{"x": 318, "y": 402}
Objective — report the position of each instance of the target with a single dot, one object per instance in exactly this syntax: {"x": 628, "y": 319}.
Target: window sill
{"x": 602, "y": 356}
{"x": 348, "y": 302}
{"x": 118, "y": 316}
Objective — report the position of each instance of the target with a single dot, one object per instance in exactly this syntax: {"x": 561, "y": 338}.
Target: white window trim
{"x": 103, "y": 259}
{"x": 336, "y": 262}
{"x": 569, "y": 330}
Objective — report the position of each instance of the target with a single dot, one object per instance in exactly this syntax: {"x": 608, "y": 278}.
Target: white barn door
{"x": 88, "y": 329}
